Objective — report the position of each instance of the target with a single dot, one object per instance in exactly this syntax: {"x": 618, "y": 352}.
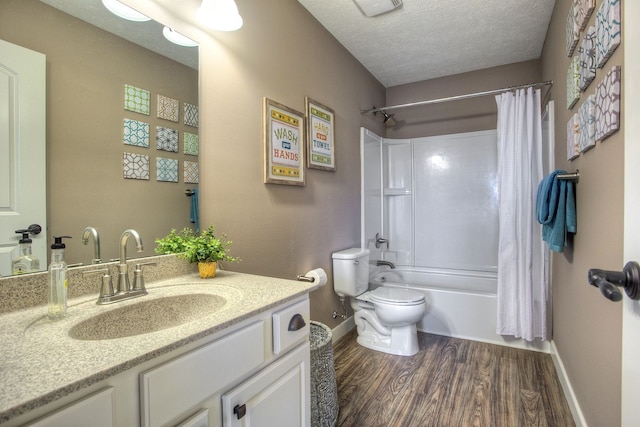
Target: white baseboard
{"x": 578, "y": 416}
{"x": 342, "y": 329}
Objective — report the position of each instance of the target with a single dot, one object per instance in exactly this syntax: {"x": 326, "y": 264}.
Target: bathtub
{"x": 461, "y": 304}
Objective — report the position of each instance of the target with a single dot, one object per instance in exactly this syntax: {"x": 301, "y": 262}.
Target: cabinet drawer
{"x": 290, "y": 326}
{"x": 178, "y": 385}
{"x": 95, "y": 410}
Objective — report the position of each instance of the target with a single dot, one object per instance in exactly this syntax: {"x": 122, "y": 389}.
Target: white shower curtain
{"x": 521, "y": 280}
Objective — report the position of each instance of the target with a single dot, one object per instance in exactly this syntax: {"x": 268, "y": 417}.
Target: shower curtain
{"x": 521, "y": 280}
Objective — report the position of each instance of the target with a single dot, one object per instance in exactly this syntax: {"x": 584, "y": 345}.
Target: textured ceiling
{"x": 426, "y": 39}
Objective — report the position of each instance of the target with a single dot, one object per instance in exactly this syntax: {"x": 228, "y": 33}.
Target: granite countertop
{"x": 40, "y": 362}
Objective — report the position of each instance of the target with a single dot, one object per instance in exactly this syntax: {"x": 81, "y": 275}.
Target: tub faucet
{"x": 123, "y": 277}
{"x": 90, "y": 231}
{"x": 387, "y": 263}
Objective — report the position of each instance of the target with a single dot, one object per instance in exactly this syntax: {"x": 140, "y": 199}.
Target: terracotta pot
{"x": 207, "y": 270}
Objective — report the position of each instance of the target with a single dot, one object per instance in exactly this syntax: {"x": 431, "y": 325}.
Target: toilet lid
{"x": 392, "y": 295}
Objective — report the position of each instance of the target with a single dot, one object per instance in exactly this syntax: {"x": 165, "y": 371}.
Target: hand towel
{"x": 194, "y": 217}
{"x": 556, "y": 210}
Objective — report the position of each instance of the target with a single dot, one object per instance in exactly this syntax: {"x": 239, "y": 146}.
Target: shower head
{"x": 388, "y": 118}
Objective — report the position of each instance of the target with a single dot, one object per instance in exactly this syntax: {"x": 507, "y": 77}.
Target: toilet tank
{"x": 351, "y": 272}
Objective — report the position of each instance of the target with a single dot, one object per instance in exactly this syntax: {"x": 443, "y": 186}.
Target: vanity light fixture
{"x": 177, "y": 38}
{"x": 124, "y": 11}
{"x": 221, "y": 15}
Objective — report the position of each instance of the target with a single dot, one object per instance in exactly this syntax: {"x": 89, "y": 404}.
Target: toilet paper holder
{"x": 608, "y": 281}
{"x": 304, "y": 278}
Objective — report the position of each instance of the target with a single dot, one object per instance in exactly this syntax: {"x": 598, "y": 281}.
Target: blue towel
{"x": 195, "y": 216}
{"x": 556, "y": 210}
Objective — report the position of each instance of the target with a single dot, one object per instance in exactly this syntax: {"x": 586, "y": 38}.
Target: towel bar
{"x": 575, "y": 176}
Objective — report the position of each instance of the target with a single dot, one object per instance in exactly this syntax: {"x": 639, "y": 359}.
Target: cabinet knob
{"x": 240, "y": 410}
{"x": 296, "y": 323}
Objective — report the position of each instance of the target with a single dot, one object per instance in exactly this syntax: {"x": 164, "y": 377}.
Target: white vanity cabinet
{"x": 258, "y": 363}
{"x": 95, "y": 410}
{"x": 236, "y": 378}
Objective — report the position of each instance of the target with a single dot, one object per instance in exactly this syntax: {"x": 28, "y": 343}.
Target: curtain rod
{"x": 456, "y": 98}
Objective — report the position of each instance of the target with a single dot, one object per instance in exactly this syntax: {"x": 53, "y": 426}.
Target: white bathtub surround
{"x": 522, "y": 291}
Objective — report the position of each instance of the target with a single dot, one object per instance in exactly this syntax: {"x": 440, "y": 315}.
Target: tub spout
{"x": 387, "y": 263}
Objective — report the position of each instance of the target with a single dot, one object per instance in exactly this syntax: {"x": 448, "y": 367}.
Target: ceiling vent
{"x": 377, "y": 7}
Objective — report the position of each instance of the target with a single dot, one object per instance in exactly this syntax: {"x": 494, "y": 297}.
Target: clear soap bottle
{"x": 25, "y": 262}
{"x": 57, "y": 307}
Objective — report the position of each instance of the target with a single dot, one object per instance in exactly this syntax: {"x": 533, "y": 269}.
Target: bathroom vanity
{"x": 193, "y": 352}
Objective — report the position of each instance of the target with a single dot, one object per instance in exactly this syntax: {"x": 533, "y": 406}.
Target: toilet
{"x": 386, "y": 316}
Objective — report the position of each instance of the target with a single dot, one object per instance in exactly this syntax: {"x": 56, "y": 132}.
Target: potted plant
{"x": 205, "y": 248}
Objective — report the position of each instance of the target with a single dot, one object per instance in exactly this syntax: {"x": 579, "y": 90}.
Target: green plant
{"x": 174, "y": 243}
{"x": 203, "y": 247}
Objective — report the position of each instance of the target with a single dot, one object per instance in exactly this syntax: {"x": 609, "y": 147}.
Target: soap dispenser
{"x": 25, "y": 262}
{"x": 57, "y": 307}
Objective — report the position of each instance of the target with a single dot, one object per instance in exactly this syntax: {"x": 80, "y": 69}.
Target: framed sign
{"x": 321, "y": 150}
{"x": 283, "y": 144}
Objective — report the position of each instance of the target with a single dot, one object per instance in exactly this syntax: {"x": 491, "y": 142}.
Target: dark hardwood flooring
{"x": 450, "y": 383}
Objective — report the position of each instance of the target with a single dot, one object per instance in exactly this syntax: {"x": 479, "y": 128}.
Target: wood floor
{"x": 449, "y": 383}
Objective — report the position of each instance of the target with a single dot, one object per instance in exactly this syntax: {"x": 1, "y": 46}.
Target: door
{"x": 631, "y": 309}
{"x": 276, "y": 396}
{"x": 22, "y": 150}
{"x": 372, "y": 215}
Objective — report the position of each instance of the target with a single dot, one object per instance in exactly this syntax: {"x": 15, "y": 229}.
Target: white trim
{"x": 342, "y": 329}
{"x": 572, "y": 400}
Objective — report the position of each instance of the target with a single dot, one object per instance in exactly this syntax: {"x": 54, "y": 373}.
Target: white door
{"x": 277, "y": 396}
{"x": 22, "y": 151}
{"x": 371, "y": 190}
{"x": 631, "y": 309}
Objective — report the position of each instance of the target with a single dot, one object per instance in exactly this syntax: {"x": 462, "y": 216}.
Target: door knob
{"x": 609, "y": 281}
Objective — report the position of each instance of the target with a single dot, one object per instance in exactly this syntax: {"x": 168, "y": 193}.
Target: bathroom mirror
{"x": 87, "y": 70}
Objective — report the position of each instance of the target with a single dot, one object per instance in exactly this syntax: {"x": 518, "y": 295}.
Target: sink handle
{"x": 138, "y": 278}
{"x": 106, "y": 289}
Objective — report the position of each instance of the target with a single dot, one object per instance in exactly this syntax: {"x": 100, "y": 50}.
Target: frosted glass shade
{"x": 220, "y": 15}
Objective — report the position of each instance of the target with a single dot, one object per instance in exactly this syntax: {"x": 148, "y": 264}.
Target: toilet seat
{"x": 395, "y": 296}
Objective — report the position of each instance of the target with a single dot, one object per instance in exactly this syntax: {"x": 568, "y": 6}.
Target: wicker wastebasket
{"x": 324, "y": 392}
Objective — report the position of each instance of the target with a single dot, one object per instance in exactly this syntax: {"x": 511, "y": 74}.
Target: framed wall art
{"x": 283, "y": 144}
{"x": 321, "y": 152}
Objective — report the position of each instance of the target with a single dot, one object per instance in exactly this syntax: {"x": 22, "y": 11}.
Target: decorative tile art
{"x": 587, "y": 55}
{"x": 608, "y": 104}
{"x": 190, "y": 114}
{"x": 135, "y": 166}
{"x": 573, "y": 82}
{"x": 166, "y": 139}
{"x": 168, "y": 108}
{"x": 136, "y": 133}
{"x": 573, "y": 31}
{"x": 136, "y": 99}
{"x": 583, "y": 12}
{"x": 191, "y": 172}
{"x": 191, "y": 145}
{"x": 166, "y": 170}
{"x": 587, "y": 124}
{"x": 573, "y": 148}
{"x": 608, "y": 31}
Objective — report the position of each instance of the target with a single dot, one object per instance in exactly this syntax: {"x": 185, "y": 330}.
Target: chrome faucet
{"x": 123, "y": 277}
{"x": 387, "y": 263}
{"x": 381, "y": 240}
{"x": 90, "y": 231}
